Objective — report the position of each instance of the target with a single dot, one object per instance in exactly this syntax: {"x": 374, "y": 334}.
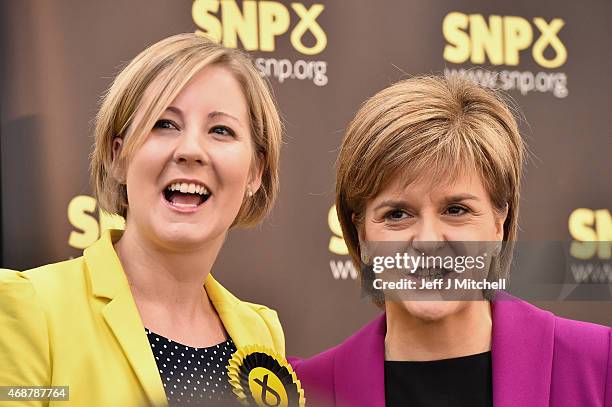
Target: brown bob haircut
{"x": 165, "y": 68}
{"x": 430, "y": 126}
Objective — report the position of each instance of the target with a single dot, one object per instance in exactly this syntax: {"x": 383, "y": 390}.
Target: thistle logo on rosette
{"x": 261, "y": 377}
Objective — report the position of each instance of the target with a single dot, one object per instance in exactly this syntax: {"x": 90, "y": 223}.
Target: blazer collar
{"x": 105, "y": 271}
{"x": 359, "y": 367}
{"x": 522, "y": 354}
{"x": 243, "y": 324}
{"x": 108, "y": 282}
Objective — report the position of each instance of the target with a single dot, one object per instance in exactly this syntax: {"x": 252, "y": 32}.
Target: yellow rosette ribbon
{"x": 261, "y": 377}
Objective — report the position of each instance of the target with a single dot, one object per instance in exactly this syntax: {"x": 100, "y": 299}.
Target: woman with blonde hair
{"x": 432, "y": 163}
{"x": 187, "y": 144}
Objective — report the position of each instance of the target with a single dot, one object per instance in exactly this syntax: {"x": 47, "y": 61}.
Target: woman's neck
{"x": 168, "y": 289}
{"x": 462, "y": 333}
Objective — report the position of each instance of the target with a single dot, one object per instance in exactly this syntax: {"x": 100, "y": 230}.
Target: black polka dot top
{"x": 193, "y": 376}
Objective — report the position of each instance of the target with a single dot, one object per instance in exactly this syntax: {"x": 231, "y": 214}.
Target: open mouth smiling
{"x": 431, "y": 273}
{"x": 186, "y": 195}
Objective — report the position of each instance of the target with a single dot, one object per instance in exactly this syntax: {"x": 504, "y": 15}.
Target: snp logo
{"x": 501, "y": 39}
{"x": 258, "y": 23}
{"x": 340, "y": 269}
{"x": 592, "y": 233}
{"x": 89, "y": 222}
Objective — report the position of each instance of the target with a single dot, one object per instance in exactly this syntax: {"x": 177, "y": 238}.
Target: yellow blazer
{"x": 75, "y": 324}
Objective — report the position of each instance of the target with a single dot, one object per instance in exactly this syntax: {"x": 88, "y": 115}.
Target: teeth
{"x": 188, "y": 188}
{"x": 201, "y": 190}
{"x": 433, "y": 272}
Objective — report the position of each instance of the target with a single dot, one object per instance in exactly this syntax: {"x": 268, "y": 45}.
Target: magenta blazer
{"x": 538, "y": 360}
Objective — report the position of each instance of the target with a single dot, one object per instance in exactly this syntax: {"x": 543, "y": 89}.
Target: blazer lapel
{"x": 242, "y": 323}
{"x": 122, "y": 317}
{"x": 522, "y": 353}
{"x": 359, "y": 367}
{"x": 108, "y": 281}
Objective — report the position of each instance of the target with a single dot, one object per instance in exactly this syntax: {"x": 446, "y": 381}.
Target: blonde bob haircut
{"x": 164, "y": 69}
{"x": 434, "y": 127}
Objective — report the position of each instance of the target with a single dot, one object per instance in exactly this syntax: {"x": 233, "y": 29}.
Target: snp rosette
{"x": 261, "y": 377}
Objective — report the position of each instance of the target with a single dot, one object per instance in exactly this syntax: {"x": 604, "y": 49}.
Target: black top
{"x": 464, "y": 381}
{"x": 193, "y": 376}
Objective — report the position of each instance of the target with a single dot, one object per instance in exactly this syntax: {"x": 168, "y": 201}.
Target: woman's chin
{"x": 183, "y": 237}
{"x": 430, "y": 311}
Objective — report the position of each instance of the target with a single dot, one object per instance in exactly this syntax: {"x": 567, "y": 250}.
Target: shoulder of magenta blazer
{"x": 538, "y": 360}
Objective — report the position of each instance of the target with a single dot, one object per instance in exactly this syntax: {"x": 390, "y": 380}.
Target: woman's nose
{"x": 190, "y": 149}
{"x": 428, "y": 235}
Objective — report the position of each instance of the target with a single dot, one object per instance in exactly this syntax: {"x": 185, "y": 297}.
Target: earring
{"x": 364, "y": 258}
{"x": 363, "y": 252}
{"x": 249, "y": 192}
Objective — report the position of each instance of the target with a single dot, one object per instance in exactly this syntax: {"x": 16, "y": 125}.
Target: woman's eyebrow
{"x": 393, "y": 203}
{"x": 175, "y": 109}
{"x": 460, "y": 197}
{"x": 211, "y": 115}
{"x": 218, "y": 113}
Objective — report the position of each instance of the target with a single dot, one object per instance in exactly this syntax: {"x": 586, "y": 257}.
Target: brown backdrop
{"x": 59, "y": 55}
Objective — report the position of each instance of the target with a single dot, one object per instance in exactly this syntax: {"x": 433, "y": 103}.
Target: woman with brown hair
{"x": 427, "y": 163}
